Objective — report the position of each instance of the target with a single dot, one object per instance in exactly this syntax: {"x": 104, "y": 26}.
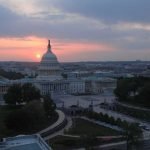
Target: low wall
{"x": 58, "y": 125}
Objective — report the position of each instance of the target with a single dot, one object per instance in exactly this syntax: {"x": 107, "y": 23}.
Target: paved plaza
{"x": 83, "y": 101}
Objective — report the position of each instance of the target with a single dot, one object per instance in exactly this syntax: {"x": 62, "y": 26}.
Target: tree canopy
{"x": 27, "y": 118}
{"x": 11, "y": 75}
{"x": 21, "y": 93}
{"x": 31, "y": 117}
{"x": 49, "y": 106}
{"x": 29, "y": 92}
{"x": 134, "y": 90}
{"x": 132, "y": 133}
{"x": 14, "y": 95}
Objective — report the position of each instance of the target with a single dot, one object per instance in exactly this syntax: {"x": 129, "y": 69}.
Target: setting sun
{"x": 38, "y": 56}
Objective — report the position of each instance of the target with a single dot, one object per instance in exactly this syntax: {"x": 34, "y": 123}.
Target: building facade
{"x": 49, "y": 77}
{"x": 50, "y": 80}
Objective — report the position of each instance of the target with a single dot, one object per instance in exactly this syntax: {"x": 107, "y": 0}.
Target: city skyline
{"x": 79, "y": 30}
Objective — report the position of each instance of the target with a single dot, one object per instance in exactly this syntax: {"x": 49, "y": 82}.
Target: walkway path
{"x": 56, "y": 127}
{"x": 60, "y": 132}
{"x": 117, "y": 145}
{"x": 61, "y": 118}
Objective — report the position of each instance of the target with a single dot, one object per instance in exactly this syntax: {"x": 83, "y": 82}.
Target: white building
{"x": 49, "y": 68}
{"x": 50, "y": 80}
{"x": 49, "y": 77}
{"x": 76, "y": 86}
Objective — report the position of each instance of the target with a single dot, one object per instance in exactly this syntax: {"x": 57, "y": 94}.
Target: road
{"x": 146, "y": 134}
{"x": 85, "y": 101}
{"x": 131, "y": 106}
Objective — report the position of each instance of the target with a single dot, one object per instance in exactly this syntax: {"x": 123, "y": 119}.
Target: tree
{"x": 134, "y": 90}
{"x": 122, "y": 89}
{"x": 132, "y": 133}
{"x": 26, "y": 119}
{"x": 37, "y": 112}
{"x": 19, "y": 121}
{"x": 144, "y": 94}
{"x": 13, "y": 95}
{"x": 18, "y": 94}
{"x": 29, "y": 93}
{"x": 10, "y": 74}
{"x": 49, "y": 106}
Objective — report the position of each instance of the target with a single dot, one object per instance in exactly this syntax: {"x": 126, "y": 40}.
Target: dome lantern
{"x": 49, "y": 46}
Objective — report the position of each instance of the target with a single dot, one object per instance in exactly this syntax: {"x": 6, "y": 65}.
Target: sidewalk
{"x": 60, "y": 132}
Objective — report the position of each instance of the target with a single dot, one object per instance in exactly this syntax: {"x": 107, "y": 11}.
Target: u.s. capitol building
{"x": 50, "y": 80}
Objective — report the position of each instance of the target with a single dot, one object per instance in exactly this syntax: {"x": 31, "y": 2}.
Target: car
{"x": 147, "y": 129}
{"x": 144, "y": 127}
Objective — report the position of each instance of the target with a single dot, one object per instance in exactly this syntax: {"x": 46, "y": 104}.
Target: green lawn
{"x": 66, "y": 143}
{"x": 83, "y": 127}
{"x": 61, "y": 142}
{"x": 136, "y": 113}
{"x": 87, "y": 132}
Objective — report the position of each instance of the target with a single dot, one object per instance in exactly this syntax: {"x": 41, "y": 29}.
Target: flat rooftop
{"x": 33, "y": 146}
{"x": 24, "y": 142}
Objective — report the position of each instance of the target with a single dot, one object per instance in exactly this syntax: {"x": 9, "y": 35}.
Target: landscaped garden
{"x": 87, "y": 134}
{"x": 83, "y": 134}
{"x": 24, "y": 120}
{"x": 24, "y": 112}
{"x": 83, "y": 127}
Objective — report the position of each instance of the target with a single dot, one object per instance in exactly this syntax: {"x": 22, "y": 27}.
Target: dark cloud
{"x": 109, "y": 10}
{"x": 7, "y": 15}
{"x": 86, "y": 26}
{"x": 11, "y": 24}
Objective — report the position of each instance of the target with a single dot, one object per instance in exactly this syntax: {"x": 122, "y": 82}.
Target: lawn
{"x": 87, "y": 132}
{"x": 136, "y": 113}
{"x": 61, "y": 142}
{"x": 66, "y": 143}
{"x": 84, "y": 127}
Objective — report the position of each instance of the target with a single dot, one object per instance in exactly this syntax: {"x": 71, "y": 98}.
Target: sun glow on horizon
{"x": 32, "y": 48}
{"x": 38, "y": 56}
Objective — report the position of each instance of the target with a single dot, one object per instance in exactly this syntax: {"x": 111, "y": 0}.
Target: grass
{"x": 84, "y": 127}
{"x": 140, "y": 114}
{"x": 61, "y": 142}
{"x": 87, "y": 132}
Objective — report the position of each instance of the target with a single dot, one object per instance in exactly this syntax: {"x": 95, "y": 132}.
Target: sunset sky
{"x": 79, "y": 30}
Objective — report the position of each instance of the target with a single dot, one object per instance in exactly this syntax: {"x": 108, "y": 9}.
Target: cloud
{"x": 122, "y": 24}
{"x": 108, "y": 10}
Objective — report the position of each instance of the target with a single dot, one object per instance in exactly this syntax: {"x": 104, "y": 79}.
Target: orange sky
{"x": 31, "y": 48}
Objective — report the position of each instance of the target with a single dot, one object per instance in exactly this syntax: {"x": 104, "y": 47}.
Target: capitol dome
{"x": 49, "y": 68}
{"x": 48, "y": 56}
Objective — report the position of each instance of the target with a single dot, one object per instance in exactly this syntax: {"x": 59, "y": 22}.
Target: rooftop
{"x": 24, "y": 142}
